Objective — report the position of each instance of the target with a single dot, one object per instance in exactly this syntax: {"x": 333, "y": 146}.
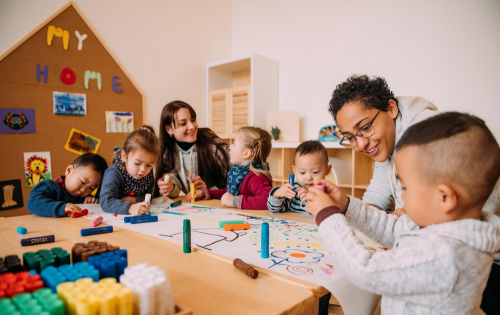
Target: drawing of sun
{"x": 298, "y": 256}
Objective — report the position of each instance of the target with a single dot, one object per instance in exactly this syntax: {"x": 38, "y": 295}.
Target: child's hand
{"x": 227, "y": 200}
{"x": 91, "y": 200}
{"x": 129, "y": 198}
{"x": 139, "y": 208}
{"x": 317, "y": 200}
{"x": 286, "y": 191}
{"x": 302, "y": 192}
{"x": 70, "y": 208}
{"x": 198, "y": 183}
{"x": 198, "y": 194}
{"x": 165, "y": 186}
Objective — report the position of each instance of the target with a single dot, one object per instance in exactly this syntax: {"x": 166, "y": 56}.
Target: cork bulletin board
{"x": 74, "y": 65}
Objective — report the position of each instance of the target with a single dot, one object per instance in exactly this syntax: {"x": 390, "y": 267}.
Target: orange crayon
{"x": 241, "y": 226}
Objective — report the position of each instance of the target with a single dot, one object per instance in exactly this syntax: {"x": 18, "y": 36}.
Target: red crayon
{"x": 79, "y": 214}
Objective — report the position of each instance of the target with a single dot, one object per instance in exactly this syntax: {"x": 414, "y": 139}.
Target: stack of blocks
{"x": 104, "y": 297}
{"x": 53, "y": 276}
{"x": 42, "y": 302}
{"x": 12, "y": 284}
{"x": 150, "y": 288}
{"x": 82, "y": 251}
{"x": 44, "y": 258}
{"x": 12, "y": 263}
{"x": 110, "y": 265}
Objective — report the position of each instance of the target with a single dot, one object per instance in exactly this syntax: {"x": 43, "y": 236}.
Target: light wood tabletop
{"x": 206, "y": 283}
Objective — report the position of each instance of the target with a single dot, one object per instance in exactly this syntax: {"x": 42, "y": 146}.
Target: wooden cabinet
{"x": 229, "y": 110}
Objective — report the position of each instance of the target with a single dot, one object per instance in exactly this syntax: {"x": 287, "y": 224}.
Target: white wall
{"x": 447, "y": 51}
{"x": 164, "y": 45}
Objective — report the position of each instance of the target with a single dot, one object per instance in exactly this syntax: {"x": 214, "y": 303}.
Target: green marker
{"x": 176, "y": 203}
{"x": 222, "y": 223}
{"x": 186, "y": 236}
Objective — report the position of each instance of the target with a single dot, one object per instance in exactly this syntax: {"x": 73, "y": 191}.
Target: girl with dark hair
{"x": 189, "y": 154}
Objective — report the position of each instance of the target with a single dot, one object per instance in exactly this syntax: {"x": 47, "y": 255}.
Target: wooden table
{"x": 199, "y": 281}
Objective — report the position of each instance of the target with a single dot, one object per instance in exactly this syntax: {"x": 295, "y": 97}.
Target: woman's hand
{"x": 227, "y": 200}
{"x": 139, "y": 208}
{"x": 165, "y": 187}
{"x": 198, "y": 183}
{"x": 317, "y": 200}
{"x": 198, "y": 194}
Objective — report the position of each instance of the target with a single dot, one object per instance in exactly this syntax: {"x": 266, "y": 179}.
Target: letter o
{"x": 68, "y": 77}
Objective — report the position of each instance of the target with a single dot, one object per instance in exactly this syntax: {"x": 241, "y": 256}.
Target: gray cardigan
{"x": 112, "y": 186}
{"x": 440, "y": 269}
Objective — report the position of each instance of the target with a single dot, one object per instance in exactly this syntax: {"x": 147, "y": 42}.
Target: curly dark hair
{"x": 373, "y": 93}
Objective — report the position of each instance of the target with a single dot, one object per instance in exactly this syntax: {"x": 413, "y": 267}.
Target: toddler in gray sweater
{"x": 441, "y": 251}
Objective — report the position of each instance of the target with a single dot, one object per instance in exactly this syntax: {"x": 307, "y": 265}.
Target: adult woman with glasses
{"x": 372, "y": 120}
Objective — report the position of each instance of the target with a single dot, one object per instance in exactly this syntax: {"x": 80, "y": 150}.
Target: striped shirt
{"x": 277, "y": 205}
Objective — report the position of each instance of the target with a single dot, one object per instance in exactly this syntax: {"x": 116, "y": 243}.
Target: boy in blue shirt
{"x": 59, "y": 198}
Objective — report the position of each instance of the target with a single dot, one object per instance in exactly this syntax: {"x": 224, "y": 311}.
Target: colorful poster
{"x": 17, "y": 120}
{"x": 37, "y": 167}
{"x": 70, "y": 104}
{"x": 80, "y": 142}
{"x": 11, "y": 194}
{"x": 122, "y": 122}
{"x": 330, "y": 134}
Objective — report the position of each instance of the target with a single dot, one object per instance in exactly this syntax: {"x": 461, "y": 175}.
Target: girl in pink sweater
{"x": 249, "y": 181}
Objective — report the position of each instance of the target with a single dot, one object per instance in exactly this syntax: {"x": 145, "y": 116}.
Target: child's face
{"x": 238, "y": 153}
{"x": 81, "y": 181}
{"x": 138, "y": 163}
{"x": 420, "y": 197}
{"x": 186, "y": 127}
{"x": 310, "y": 168}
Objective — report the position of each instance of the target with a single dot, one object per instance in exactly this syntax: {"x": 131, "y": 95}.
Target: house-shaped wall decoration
{"x": 66, "y": 55}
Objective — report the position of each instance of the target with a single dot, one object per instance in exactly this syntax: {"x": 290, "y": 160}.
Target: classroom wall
{"x": 446, "y": 51}
{"x": 164, "y": 45}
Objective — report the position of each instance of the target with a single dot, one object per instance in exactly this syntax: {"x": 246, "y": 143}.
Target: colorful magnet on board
{"x": 115, "y": 85}
{"x": 81, "y": 38}
{"x": 44, "y": 73}
{"x": 92, "y": 75}
{"x": 68, "y": 77}
{"x": 58, "y": 32}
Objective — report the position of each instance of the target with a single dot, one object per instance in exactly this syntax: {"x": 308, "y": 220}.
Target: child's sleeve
{"x": 111, "y": 193}
{"x": 259, "y": 188}
{"x": 216, "y": 193}
{"x": 381, "y": 227}
{"x": 422, "y": 270}
{"x": 43, "y": 202}
{"x": 277, "y": 205}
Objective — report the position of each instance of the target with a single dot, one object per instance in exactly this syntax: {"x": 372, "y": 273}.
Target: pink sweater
{"x": 253, "y": 193}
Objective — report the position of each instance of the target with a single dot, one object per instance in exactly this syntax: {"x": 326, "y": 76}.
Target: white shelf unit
{"x": 239, "y": 93}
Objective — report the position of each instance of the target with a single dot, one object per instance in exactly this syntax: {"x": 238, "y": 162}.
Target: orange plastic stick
{"x": 241, "y": 226}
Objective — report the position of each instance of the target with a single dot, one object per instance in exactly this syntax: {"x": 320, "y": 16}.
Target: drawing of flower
{"x": 298, "y": 256}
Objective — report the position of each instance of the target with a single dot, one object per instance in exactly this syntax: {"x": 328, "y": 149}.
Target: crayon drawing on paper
{"x": 119, "y": 122}
{"x": 37, "y": 167}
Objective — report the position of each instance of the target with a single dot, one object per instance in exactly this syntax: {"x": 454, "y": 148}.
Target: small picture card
{"x": 17, "y": 120}
{"x": 11, "y": 194}
{"x": 80, "y": 142}
{"x": 121, "y": 122}
{"x": 37, "y": 167}
{"x": 70, "y": 104}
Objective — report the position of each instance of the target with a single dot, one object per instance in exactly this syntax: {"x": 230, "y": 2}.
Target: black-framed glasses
{"x": 367, "y": 131}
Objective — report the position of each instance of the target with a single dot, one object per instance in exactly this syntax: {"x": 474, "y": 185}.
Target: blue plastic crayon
{"x": 264, "y": 247}
{"x": 127, "y": 219}
{"x": 97, "y": 230}
{"x": 291, "y": 179}
{"x": 22, "y": 230}
{"x": 143, "y": 219}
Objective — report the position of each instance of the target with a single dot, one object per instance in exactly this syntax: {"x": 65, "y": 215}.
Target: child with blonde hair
{"x": 249, "y": 181}
{"x": 131, "y": 177}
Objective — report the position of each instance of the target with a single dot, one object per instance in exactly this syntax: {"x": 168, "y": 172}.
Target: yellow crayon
{"x": 192, "y": 192}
